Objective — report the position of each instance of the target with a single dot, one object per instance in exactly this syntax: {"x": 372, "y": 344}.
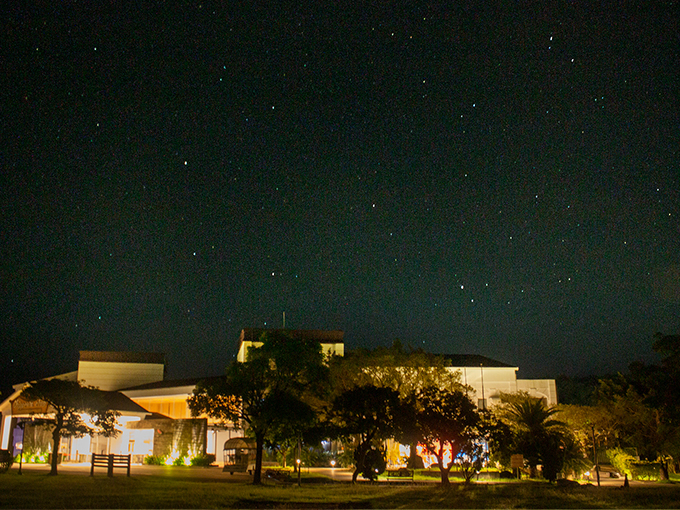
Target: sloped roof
{"x": 473, "y": 360}
{"x": 239, "y": 442}
{"x": 170, "y": 383}
{"x": 323, "y": 336}
{"x": 123, "y": 356}
{"x": 119, "y": 402}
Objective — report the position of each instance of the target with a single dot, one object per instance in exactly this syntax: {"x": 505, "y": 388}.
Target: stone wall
{"x": 184, "y": 436}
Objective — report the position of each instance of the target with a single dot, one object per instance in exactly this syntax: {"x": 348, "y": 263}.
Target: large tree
{"x": 641, "y": 421}
{"x": 588, "y": 423}
{"x": 447, "y": 421}
{"x": 274, "y": 385}
{"x": 68, "y": 403}
{"x": 405, "y": 370}
{"x": 366, "y": 415}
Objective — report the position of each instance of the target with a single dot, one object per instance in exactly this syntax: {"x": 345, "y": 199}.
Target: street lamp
{"x": 21, "y": 455}
{"x": 22, "y": 426}
{"x": 299, "y": 463}
{"x": 597, "y": 465}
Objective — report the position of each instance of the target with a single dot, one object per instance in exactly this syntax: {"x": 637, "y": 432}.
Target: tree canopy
{"x": 278, "y": 383}
{"x": 406, "y": 371}
{"x": 447, "y": 421}
{"x": 69, "y": 402}
{"x": 535, "y": 432}
{"x": 368, "y": 414}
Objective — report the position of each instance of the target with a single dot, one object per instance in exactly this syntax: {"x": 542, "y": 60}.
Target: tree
{"x": 406, "y": 371}
{"x": 368, "y": 414}
{"x": 68, "y": 402}
{"x": 279, "y": 379}
{"x": 587, "y": 423}
{"x": 295, "y": 420}
{"x": 536, "y": 433}
{"x": 640, "y": 420}
{"x": 447, "y": 420}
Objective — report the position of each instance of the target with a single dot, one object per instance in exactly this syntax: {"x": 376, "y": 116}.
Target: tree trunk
{"x": 411, "y": 464}
{"x": 259, "y": 446}
{"x": 284, "y": 454}
{"x": 445, "y": 476}
{"x": 533, "y": 471}
{"x": 56, "y": 440}
{"x": 444, "y": 472}
{"x": 359, "y": 458}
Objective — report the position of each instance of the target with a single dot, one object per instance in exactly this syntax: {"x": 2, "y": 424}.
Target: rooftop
{"x": 170, "y": 383}
{"x": 321, "y": 335}
{"x": 123, "y": 356}
{"x": 473, "y": 360}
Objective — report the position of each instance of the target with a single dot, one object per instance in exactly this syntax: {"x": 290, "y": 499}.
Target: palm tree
{"x": 536, "y": 433}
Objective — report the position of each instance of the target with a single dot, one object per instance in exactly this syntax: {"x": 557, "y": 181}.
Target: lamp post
{"x": 597, "y": 465}
{"x": 481, "y": 370}
{"x": 21, "y": 455}
{"x": 22, "y": 426}
{"x": 299, "y": 462}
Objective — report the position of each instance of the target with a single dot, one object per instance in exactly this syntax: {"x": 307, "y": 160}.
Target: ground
{"x": 173, "y": 487}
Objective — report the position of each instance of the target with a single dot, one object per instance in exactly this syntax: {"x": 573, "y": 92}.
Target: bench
{"x": 109, "y": 462}
{"x": 400, "y": 473}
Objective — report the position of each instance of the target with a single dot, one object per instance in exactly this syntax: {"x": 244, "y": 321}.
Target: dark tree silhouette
{"x": 369, "y": 415}
{"x": 447, "y": 419}
{"x": 68, "y": 401}
{"x": 274, "y": 385}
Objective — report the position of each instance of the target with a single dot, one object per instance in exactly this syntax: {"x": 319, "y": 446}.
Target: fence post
{"x": 110, "y": 469}
{"x": 92, "y": 466}
{"x": 128, "y": 461}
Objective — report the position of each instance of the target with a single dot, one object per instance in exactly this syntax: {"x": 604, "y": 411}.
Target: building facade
{"x": 155, "y": 419}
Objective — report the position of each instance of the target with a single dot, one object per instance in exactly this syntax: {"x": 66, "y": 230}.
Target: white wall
{"x": 540, "y": 388}
{"x": 499, "y": 380}
{"x": 495, "y": 380}
{"x": 328, "y": 349}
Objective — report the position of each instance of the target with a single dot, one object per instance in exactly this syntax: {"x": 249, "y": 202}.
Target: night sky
{"x": 499, "y": 178}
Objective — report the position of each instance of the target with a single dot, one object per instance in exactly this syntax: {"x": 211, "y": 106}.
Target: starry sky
{"x": 498, "y": 178}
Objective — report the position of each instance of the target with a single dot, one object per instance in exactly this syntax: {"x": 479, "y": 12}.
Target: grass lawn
{"x": 39, "y": 490}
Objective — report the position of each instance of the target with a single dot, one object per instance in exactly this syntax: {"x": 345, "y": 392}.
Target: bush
{"x": 179, "y": 461}
{"x": 6, "y": 460}
{"x": 33, "y": 457}
{"x": 154, "y": 460}
{"x": 621, "y": 460}
{"x": 643, "y": 470}
{"x": 203, "y": 460}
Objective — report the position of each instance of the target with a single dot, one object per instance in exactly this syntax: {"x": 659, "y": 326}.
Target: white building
{"x": 155, "y": 418}
{"x": 107, "y": 371}
{"x": 489, "y": 378}
{"x": 332, "y": 342}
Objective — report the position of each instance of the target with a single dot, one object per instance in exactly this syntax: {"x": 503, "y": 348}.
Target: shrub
{"x": 621, "y": 460}
{"x": 643, "y": 470}
{"x": 6, "y": 460}
{"x": 179, "y": 461}
{"x": 33, "y": 457}
{"x": 154, "y": 460}
{"x": 203, "y": 460}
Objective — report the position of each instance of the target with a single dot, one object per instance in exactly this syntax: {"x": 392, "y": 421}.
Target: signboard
{"x": 22, "y": 406}
{"x": 517, "y": 461}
